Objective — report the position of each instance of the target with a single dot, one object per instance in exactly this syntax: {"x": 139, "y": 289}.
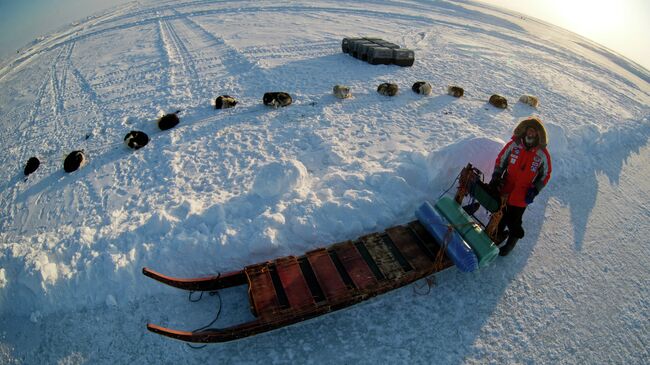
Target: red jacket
{"x": 525, "y": 168}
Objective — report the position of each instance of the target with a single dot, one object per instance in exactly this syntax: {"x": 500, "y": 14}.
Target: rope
{"x": 466, "y": 176}
{"x": 212, "y": 293}
{"x": 440, "y": 256}
{"x": 216, "y": 317}
{"x": 429, "y": 281}
{"x": 437, "y": 263}
{"x": 492, "y": 228}
{"x": 451, "y": 186}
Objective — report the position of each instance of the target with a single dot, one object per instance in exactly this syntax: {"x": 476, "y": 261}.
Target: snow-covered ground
{"x": 229, "y": 188}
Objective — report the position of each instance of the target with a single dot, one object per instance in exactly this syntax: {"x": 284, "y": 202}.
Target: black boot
{"x": 510, "y": 244}
{"x": 501, "y": 236}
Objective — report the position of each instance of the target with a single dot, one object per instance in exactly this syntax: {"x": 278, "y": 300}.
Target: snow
{"x": 228, "y": 188}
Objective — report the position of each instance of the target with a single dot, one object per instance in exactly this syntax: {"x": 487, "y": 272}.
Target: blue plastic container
{"x": 458, "y": 250}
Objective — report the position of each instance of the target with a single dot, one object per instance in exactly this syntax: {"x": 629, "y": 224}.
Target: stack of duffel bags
{"x": 377, "y": 51}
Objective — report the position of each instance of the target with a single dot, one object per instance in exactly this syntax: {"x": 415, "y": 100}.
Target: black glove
{"x": 496, "y": 181}
{"x": 531, "y": 194}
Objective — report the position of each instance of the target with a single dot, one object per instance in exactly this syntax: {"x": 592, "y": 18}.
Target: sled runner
{"x": 292, "y": 289}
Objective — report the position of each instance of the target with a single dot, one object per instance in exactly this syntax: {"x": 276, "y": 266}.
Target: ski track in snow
{"x": 227, "y": 188}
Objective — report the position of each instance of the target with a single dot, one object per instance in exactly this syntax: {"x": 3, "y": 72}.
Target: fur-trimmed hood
{"x": 520, "y": 130}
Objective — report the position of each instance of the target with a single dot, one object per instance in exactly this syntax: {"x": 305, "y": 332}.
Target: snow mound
{"x": 444, "y": 165}
{"x": 557, "y": 139}
{"x": 279, "y": 178}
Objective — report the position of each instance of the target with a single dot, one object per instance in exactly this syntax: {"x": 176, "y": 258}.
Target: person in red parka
{"x": 521, "y": 170}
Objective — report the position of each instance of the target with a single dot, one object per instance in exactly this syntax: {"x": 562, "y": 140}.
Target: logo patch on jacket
{"x": 536, "y": 162}
{"x": 514, "y": 155}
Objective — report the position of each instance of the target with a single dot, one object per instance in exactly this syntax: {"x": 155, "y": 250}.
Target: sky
{"x": 21, "y": 21}
{"x": 622, "y": 25}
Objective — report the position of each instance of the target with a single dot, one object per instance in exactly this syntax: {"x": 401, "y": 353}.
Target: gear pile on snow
{"x": 277, "y": 99}
{"x": 377, "y": 51}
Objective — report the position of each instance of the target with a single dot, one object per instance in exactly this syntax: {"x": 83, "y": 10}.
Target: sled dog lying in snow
{"x": 530, "y": 100}
{"x": 168, "y": 121}
{"x": 277, "y": 99}
{"x": 422, "y": 87}
{"x": 499, "y": 101}
{"x": 388, "y": 89}
{"x": 455, "y": 91}
{"x": 32, "y": 165}
{"x": 136, "y": 139}
{"x": 341, "y": 92}
{"x": 225, "y": 102}
{"x": 74, "y": 161}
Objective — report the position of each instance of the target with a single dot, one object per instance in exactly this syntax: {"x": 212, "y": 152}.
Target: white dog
{"x": 341, "y": 92}
{"x": 530, "y": 100}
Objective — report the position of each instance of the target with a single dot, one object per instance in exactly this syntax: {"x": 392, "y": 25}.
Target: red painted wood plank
{"x": 294, "y": 283}
{"x": 355, "y": 265}
{"x": 261, "y": 290}
{"x": 326, "y": 274}
{"x": 406, "y": 242}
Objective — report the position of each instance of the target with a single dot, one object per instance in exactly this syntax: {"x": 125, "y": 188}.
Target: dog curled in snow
{"x": 277, "y": 99}
{"x": 422, "y": 88}
{"x": 498, "y": 101}
{"x": 136, "y": 139}
{"x": 387, "y": 89}
{"x": 32, "y": 165}
{"x": 74, "y": 161}
{"x": 341, "y": 92}
{"x": 455, "y": 91}
{"x": 168, "y": 121}
{"x": 225, "y": 102}
{"x": 530, "y": 100}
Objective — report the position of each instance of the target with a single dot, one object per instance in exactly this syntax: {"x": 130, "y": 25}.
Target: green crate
{"x": 486, "y": 251}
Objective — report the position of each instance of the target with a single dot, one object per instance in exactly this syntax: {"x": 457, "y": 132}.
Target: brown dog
{"x": 455, "y": 91}
{"x": 388, "y": 89}
{"x": 499, "y": 101}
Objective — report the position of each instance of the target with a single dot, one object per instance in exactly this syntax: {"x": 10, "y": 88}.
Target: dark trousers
{"x": 512, "y": 219}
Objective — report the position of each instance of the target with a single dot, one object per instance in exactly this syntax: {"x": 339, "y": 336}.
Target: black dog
{"x": 32, "y": 165}
{"x": 74, "y": 161}
{"x": 136, "y": 139}
{"x": 225, "y": 102}
{"x": 168, "y": 121}
{"x": 277, "y": 99}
